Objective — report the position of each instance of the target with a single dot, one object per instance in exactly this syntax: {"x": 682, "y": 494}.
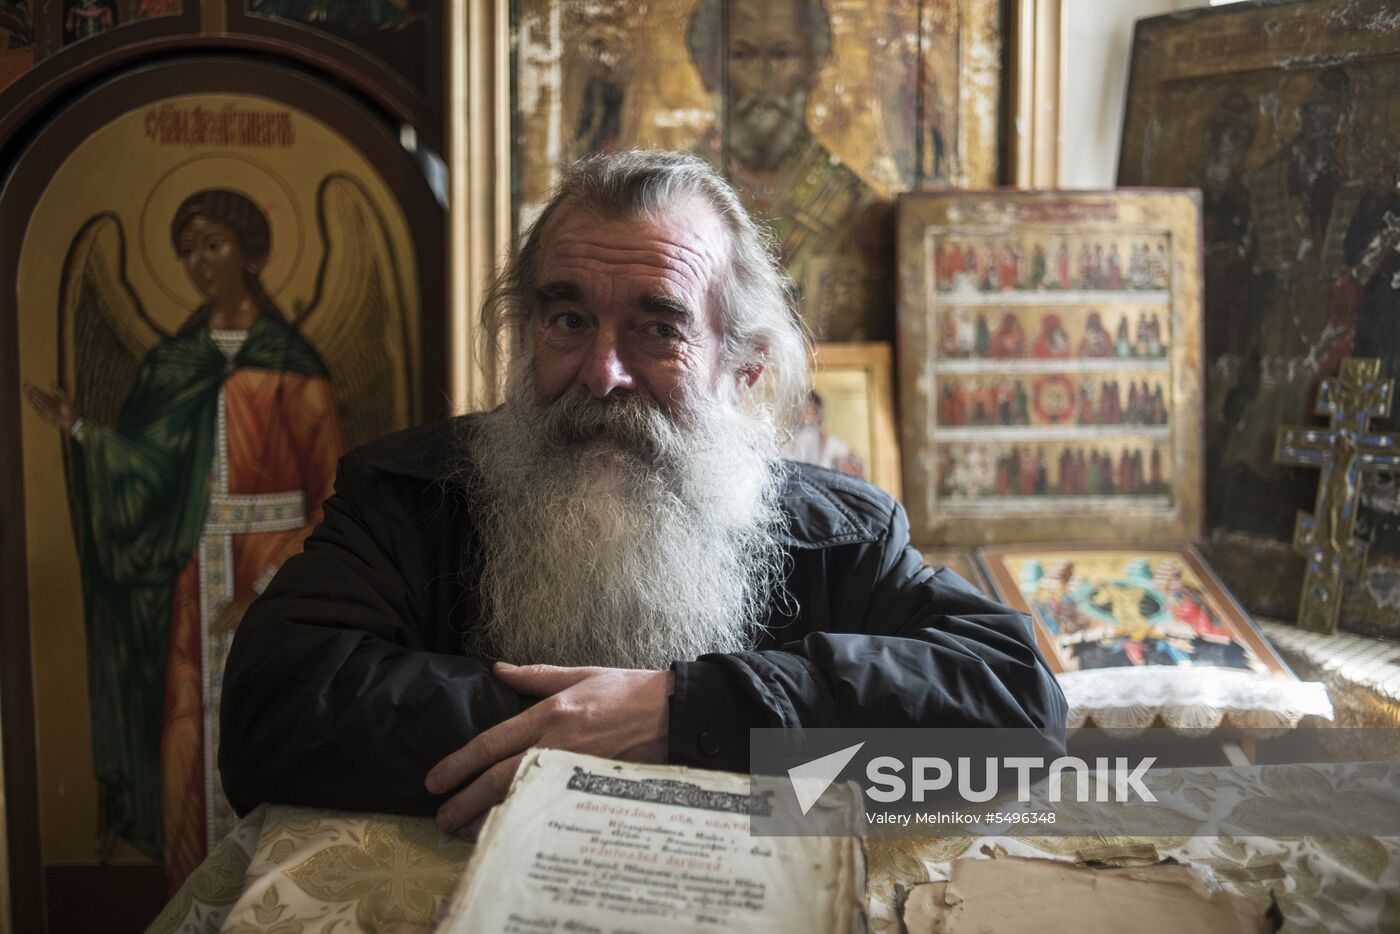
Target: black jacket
{"x": 347, "y": 682}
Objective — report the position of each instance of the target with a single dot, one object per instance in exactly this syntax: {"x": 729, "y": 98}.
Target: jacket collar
{"x": 817, "y": 517}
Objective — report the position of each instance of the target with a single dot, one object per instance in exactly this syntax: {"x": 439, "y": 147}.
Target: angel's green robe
{"x": 140, "y": 490}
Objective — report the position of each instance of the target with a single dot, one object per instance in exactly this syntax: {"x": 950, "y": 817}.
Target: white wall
{"x": 1097, "y": 46}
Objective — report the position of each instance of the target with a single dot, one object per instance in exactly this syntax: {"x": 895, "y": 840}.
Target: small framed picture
{"x": 850, "y": 420}
{"x": 1116, "y": 606}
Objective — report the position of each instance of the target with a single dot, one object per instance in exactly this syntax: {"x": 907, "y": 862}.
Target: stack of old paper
{"x": 989, "y": 896}
{"x": 587, "y": 844}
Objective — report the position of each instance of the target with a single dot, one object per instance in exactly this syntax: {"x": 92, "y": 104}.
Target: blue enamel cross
{"x": 1343, "y": 451}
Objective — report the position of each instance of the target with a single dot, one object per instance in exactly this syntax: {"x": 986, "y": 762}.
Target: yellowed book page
{"x": 591, "y": 844}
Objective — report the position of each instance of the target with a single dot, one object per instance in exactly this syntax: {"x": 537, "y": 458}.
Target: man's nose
{"x": 603, "y": 372}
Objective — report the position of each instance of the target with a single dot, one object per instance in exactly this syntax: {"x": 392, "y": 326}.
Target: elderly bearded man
{"x": 615, "y": 561}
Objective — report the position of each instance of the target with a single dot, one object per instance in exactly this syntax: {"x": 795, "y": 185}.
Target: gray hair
{"x": 758, "y": 322}
{"x": 705, "y": 33}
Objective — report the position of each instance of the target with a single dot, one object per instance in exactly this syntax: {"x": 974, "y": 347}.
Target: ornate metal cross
{"x": 1343, "y": 452}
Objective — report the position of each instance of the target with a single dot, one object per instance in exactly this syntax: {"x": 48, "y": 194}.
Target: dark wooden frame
{"x": 59, "y": 68}
{"x": 21, "y": 192}
{"x": 223, "y": 25}
{"x": 424, "y": 108}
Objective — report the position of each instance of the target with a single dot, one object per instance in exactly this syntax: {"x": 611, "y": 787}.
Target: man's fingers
{"x": 539, "y": 680}
{"x": 472, "y": 830}
{"x": 485, "y": 749}
{"x": 473, "y": 801}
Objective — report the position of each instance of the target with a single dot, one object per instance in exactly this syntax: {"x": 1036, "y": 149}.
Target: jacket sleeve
{"x": 906, "y": 647}
{"x": 330, "y": 696}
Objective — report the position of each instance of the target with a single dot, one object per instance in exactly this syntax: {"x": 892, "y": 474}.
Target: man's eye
{"x": 568, "y": 321}
{"x": 662, "y": 330}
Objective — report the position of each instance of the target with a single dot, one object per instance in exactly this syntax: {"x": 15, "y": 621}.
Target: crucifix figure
{"x": 1342, "y": 451}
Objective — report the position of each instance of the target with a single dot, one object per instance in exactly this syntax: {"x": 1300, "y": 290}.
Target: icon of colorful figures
{"x": 1092, "y": 468}
{"x": 1052, "y": 399}
{"x": 1041, "y": 261}
{"x": 1140, "y": 612}
{"x": 1056, "y": 333}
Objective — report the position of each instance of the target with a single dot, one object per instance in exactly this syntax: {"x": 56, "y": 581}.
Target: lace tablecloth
{"x": 288, "y": 870}
{"x": 1189, "y": 700}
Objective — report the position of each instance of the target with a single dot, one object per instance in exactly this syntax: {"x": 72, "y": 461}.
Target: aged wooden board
{"x": 817, "y": 110}
{"x": 1049, "y": 365}
{"x": 1287, "y": 117}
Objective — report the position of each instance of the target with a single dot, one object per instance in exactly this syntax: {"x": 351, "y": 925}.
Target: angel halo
{"x": 242, "y": 174}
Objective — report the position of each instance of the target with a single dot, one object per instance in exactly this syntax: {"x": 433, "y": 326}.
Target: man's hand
{"x": 611, "y": 712}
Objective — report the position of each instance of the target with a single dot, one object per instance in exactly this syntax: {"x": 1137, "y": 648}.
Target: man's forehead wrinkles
{"x": 677, "y": 254}
{"x": 644, "y": 272}
{"x": 685, "y": 249}
{"x": 700, "y": 252}
{"x": 632, "y": 265}
{"x": 632, "y": 262}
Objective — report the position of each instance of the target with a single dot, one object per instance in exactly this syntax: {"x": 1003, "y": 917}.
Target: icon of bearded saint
{"x": 199, "y": 461}
{"x": 761, "y": 62}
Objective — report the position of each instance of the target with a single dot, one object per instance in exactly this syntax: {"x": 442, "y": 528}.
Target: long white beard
{"x": 614, "y": 536}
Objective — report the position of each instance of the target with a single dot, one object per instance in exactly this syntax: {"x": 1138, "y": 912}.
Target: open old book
{"x": 590, "y": 844}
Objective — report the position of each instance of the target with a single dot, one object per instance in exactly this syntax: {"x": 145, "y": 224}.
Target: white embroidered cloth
{"x": 1191, "y": 701}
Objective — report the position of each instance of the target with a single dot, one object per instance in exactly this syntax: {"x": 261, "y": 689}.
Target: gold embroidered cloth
{"x": 1362, "y": 674}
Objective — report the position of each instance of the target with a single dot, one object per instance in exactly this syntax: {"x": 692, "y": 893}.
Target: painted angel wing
{"x": 358, "y": 317}
{"x": 103, "y": 331}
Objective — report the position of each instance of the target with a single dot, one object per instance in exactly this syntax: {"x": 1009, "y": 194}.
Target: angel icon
{"x": 197, "y": 463}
